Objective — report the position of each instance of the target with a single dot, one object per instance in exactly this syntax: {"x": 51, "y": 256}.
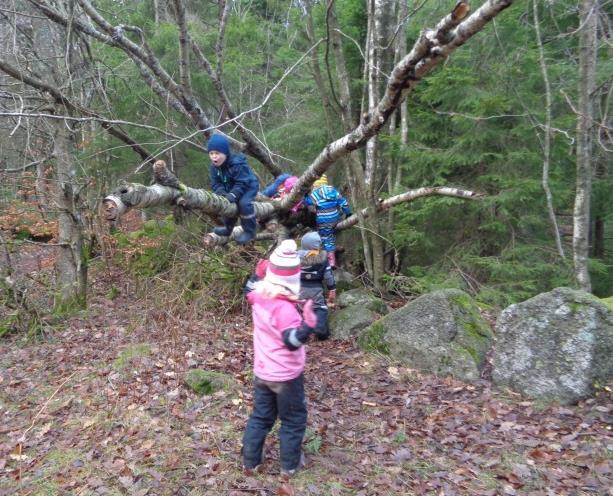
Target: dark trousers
{"x": 271, "y": 400}
{"x": 322, "y": 330}
{"x": 245, "y": 202}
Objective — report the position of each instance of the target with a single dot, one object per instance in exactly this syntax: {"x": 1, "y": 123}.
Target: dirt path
{"x": 100, "y": 408}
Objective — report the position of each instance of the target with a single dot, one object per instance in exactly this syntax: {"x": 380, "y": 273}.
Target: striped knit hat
{"x": 284, "y": 266}
{"x": 322, "y": 181}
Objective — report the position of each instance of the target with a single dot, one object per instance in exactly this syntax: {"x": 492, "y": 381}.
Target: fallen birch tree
{"x": 168, "y": 191}
{"x": 431, "y": 48}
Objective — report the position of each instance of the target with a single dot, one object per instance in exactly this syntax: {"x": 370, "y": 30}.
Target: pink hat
{"x": 284, "y": 266}
{"x": 289, "y": 183}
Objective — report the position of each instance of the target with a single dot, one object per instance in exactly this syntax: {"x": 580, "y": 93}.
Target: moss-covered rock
{"x": 371, "y": 339}
{"x": 608, "y": 302}
{"x": 206, "y": 382}
{"x": 350, "y": 321}
{"x": 362, "y": 297}
{"x": 441, "y": 333}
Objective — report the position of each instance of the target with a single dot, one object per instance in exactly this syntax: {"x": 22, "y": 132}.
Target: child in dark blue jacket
{"x": 315, "y": 273}
{"x": 232, "y": 178}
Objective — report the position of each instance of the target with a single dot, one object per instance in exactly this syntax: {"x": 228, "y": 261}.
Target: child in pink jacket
{"x": 279, "y": 331}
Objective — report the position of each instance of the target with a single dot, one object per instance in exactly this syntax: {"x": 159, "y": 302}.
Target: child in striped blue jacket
{"x": 328, "y": 204}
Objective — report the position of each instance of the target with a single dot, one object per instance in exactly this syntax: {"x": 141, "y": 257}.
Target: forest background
{"x": 501, "y": 117}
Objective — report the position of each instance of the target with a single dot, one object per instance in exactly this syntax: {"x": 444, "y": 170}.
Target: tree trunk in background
{"x": 354, "y": 161}
{"x": 71, "y": 266}
{"x": 585, "y": 108}
{"x": 548, "y": 133}
{"x": 379, "y": 61}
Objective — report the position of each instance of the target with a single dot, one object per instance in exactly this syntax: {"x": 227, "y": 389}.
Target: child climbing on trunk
{"x": 328, "y": 204}
{"x": 232, "y": 178}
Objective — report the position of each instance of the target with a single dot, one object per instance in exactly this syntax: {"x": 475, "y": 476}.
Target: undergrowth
{"x": 172, "y": 269}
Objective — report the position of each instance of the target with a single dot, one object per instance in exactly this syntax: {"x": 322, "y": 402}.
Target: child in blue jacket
{"x": 328, "y": 204}
{"x": 232, "y": 178}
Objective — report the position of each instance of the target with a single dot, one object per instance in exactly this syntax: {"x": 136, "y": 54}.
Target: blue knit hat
{"x": 311, "y": 241}
{"x": 219, "y": 143}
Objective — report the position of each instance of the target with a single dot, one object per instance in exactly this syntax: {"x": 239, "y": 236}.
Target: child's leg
{"x": 228, "y": 225}
{"x": 247, "y": 214}
{"x": 259, "y": 424}
{"x": 322, "y": 331}
{"x": 293, "y": 414}
{"x": 328, "y": 241}
{"x": 328, "y": 238}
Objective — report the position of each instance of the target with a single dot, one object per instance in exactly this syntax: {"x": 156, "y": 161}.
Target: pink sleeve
{"x": 287, "y": 317}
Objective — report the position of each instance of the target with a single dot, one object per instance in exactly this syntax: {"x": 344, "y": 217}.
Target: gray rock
{"x": 361, "y": 297}
{"x": 555, "y": 346}
{"x": 349, "y": 321}
{"x": 441, "y": 333}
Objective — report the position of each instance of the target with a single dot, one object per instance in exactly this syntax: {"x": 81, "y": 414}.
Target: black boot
{"x": 226, "y": 230}
{"x": 249, "y": 226}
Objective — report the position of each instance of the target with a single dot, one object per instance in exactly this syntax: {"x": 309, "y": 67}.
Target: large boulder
{"x": 363, "y": 298}
{"x": 441, "y": 333}
{"x": 357, "y": 309}
{"x": 350, "y": 321}
{"x": 555, "y": 346}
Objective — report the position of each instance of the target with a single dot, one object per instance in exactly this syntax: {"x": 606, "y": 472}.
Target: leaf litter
{"x": 100, "y": 408}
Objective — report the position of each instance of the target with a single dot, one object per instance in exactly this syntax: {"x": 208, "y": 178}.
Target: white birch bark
{"x": 548, "y": 133}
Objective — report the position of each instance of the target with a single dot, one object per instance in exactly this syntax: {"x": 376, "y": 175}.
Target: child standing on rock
{"x": 279, "y": 331}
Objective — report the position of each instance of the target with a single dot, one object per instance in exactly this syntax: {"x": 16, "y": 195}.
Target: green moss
{"x": 130, "y": 353}
{"x": 373, "y": 338}
{"x": 206, "y": 382}
{"x": 477, "y": 333}
{"x": 608, "y": 302}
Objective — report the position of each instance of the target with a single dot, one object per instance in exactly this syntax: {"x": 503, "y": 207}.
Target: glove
{"x": 331, "y": 298}
{"x": 308, "y": 315}
{"x": 230, "y": 197}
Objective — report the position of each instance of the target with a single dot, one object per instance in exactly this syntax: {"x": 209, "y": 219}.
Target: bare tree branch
{"x": 431, "y": 48}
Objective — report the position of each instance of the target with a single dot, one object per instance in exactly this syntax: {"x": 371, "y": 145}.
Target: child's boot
{"x": 290, "y": 473}
{"x": 249, "y": 227}
{"x": 226, "y": 230}
{"x": 332, "y": 259}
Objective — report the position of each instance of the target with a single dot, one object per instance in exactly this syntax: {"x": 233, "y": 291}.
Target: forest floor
{"x": 99, "y": 407}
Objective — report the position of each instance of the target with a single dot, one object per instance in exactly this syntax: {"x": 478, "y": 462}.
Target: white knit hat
{"x": 284, "y": 266}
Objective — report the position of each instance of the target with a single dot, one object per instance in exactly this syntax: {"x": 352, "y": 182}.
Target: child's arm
{"x": 330, "y": 285}
{"x": 242, "y": 177}
{"x": 342, "y": 202}
{"x": 294, "y": 338}
{"x": 272, "y": 188}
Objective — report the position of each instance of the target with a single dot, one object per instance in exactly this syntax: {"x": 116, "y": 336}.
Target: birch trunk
{"x": 548, "y": 133}
{"x": 587, "y": 76}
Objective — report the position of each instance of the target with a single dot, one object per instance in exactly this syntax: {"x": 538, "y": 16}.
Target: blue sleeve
{"x": 272, "y": 188}
{"x": 241, "y": 176}
{"x": 216, "y": 184}
{"x": 342, "y": 202}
